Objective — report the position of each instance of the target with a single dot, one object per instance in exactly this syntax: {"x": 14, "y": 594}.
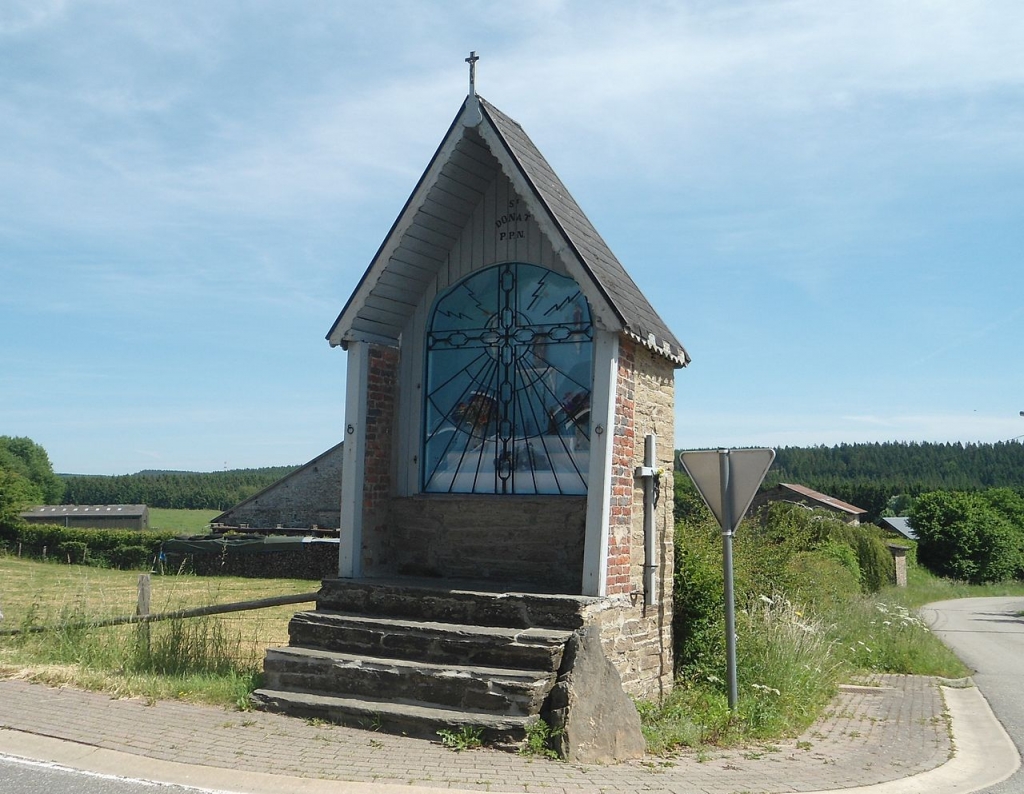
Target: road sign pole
{"x": 727, "y": 482}
{"x": 725, "y": 470}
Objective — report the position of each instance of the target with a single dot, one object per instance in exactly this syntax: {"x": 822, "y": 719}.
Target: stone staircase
{"x": 415, "y": 657}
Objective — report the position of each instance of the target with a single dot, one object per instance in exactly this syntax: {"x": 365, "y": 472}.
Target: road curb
{"x": 983, "y": 753}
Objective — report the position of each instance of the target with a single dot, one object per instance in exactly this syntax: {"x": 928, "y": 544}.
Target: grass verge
{"x": 791, "y": 660}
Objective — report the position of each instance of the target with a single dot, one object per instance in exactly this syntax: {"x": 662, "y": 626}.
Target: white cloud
{"x": 23, "y": 16}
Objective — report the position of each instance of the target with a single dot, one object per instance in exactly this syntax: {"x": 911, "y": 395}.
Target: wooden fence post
{"x": 142, "y": 609}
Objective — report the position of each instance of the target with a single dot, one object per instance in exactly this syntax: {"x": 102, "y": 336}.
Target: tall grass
{"x": 213, "y": 659}
{"x": 790, "y": 670}
{"x": 791, "y": 659}
{"x": 191, "y": 658}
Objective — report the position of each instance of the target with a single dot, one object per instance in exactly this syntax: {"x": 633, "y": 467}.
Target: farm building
{"x": 801, "y": 495}
{"x": 306, "y": 498}
{"x": 90, "y": 516}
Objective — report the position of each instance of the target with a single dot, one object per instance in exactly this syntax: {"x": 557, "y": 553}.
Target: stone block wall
{"x": 638, "y": 638}
{"x": 529, "y": 541}
{"x": 310, "y": 495}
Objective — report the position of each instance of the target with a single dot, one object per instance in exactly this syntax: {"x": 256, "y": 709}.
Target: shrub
{"x": 876, "y": 563}
{"x": 74, "y": 551}
{"x": 130, "y": 557}
{"x": 844, "y": 555}
{"x": 698, "y": 624}
{"x": 825, "y": 578}
{"x": 120, "y": 548}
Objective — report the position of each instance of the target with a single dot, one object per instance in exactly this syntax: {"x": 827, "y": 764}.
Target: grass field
{"x": 187, "y": 522}
{"x": 53, "y": 594}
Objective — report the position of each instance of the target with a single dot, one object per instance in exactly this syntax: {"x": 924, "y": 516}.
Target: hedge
{"x": 115, "y": 548}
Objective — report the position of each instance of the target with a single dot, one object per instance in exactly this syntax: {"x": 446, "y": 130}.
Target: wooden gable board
{"x": 480, "y": 141}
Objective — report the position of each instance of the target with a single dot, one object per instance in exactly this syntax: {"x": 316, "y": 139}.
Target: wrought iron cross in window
{"x": 509, "y": 376}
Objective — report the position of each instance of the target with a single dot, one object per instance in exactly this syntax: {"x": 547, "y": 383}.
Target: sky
{"x": 824, "y": 202}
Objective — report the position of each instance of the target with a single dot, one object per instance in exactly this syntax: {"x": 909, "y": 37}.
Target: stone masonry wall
{"x": 533, "y": 543}
{"x": 378, "y": 468}
{"x": 309, "y": 496}
{"x": 638, "y": 639}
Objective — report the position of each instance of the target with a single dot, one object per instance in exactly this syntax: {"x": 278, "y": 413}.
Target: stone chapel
{"x": 509, "y": 430}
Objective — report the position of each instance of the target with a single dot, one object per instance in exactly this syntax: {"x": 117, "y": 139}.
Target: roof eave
{"x": 338, "y": 335}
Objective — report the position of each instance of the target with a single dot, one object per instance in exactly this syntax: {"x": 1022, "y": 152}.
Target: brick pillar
{"x": 638, "y": 639}
{"x": 620, "y": 519}
{"x": 378, "y": 466}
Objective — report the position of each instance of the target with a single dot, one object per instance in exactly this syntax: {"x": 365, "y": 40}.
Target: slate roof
{"x": 634, "y": 313}
{"x": 639, "y": 319}
{"x": 901, "y": 524}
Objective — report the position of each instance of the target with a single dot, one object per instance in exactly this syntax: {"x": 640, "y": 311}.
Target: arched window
{"x": 509, "y": 373}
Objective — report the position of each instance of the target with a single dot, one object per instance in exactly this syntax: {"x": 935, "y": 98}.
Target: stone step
{"x": 491, "y": 689}
{"x": 403, "y": 718}
{"x": 429, "y": 641}
{"x": 469, "y": 603}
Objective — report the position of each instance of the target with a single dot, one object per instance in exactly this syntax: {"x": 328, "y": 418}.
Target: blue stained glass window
{"x": 509, "y": 374}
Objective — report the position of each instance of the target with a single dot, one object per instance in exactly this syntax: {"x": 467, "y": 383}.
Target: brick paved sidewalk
{"x": 894, "y": 728}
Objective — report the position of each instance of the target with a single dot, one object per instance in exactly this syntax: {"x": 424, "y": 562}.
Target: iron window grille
{"x": 509, "y": 374}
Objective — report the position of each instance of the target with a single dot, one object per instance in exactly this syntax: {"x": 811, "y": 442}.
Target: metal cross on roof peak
{"x": 471, "y": 60}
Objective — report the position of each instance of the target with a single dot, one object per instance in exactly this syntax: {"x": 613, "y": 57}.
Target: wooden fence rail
{"x": 216, "y": 609}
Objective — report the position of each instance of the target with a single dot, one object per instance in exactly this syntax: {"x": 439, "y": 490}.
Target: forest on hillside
{"x": 216, "y": 490}
{"x": 870, "y": 476}
{"x": 875, "y": 476}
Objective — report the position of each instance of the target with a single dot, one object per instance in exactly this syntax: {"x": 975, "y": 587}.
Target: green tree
{"x": 16, "y": 493}
{"x": 962, "y": 536}
{"x": 29, "y": 460}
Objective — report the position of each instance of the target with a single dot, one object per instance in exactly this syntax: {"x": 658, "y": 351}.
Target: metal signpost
{"x": 727, "y": 480}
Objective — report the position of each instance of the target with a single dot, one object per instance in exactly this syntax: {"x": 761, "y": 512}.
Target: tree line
{"x": 217, "y": 490}
{"x": 948, "y": 467}
{"x": 884, "y": 478}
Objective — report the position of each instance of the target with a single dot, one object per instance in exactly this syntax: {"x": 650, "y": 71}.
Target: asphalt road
{"x": 988, "y": 635}
{"x": 30, "y": 777}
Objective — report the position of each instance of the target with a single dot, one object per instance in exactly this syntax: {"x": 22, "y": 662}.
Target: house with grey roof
{"x": 307, "y": 498}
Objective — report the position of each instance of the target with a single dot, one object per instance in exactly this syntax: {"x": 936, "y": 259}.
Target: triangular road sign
{"x": 727, "y": 479}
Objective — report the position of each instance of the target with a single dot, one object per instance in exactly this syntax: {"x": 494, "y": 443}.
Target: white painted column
{"x": 350, "y": 556}
{"x": 599, "y": 479}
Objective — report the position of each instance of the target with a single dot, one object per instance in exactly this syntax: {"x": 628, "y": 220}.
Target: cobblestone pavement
{"x": 892, "y": 727}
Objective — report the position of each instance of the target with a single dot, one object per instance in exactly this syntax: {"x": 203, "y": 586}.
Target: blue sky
{"x": 825, "y": 202}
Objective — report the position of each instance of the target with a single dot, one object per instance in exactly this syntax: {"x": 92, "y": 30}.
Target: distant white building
{"x": 90, "y": 516}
